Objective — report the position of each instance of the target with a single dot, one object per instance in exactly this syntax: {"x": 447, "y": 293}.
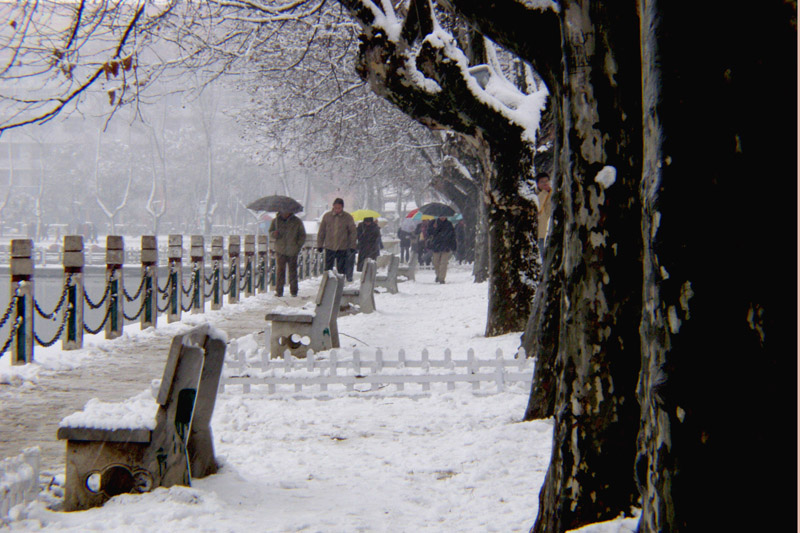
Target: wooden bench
{"x": 300, "y": 330}
{"x": 389, "y": 280}
{"x": 408, "y": 271}
{"x": 138, "y": 445}
{"x": 364, "y": 295}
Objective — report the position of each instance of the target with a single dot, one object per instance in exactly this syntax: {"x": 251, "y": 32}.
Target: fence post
{"x": 261, "y": 281}
{"x": 115, "y": 257}
{"x": 216, "y": 275}
{"x": 150, "y": 276}
{"x": 234, "y": 246}
{"x": 197, "y": 254}
{"x": 73, "y": 275}
{"x": 272, "y": 272}
{"x": 174, "y": 259}
{"x": 249, "y": 255}
{"x": 22, "y": 286}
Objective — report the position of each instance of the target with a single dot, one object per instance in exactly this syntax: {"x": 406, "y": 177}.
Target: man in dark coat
{"x": 288, "y": 236}
{"x": 405, "y": 244}
{"x": 442, "y": 241}
{"x": 368, "y": 235}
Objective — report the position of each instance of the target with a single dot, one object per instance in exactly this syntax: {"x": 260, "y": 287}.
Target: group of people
{"x": 338, "y": 237}
{"x": 434, "y": 242}
{"x": 341, "y": 241}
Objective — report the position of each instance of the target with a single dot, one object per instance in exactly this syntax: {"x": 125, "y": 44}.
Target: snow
{"x": 606, "y": 177}
{"x": 137, "y": 412}
{"x": 439, "y": 461}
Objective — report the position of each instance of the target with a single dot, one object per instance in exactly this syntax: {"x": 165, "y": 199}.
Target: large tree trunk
{"x": 541, "y": 335}
{"x": 514, "y": 266}
{"x": 718, "y": 361}
{"x": 596, "y": 414}
{"x": 383, "y": 61}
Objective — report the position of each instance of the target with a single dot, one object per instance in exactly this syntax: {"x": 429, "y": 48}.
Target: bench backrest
{"x": 390, "y": 280}
{"x": 166, "y": 457}
{"x": 366, "y": 292}
{"x": 410, "y": 270}
{"x": 337, "y": 300}
{"x": 394, "y": 263}
{"x": 323, "y": 282}
{"x": 201, "y": 442}
{"x": 321, "y": 334}
{"x": 186, "y": 399}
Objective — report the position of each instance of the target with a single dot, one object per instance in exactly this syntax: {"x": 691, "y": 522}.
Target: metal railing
{"x": 247, "y": 273}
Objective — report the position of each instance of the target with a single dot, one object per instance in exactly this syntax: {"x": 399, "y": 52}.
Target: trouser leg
{"x": 436, "y": 267}
{"x": 443, "y": 260}
{"x": 292, "y": 266}
{"x": 280, "y": 274}
{"x": 330, "y": 256}
{"x": 341, "y": 261}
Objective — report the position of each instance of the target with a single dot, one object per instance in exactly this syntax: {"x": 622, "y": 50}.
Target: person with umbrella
{"x": 288, "y": 236}
{"x": 442, "y": 239}
{"x": 337, "y": 236}
{"x": 368, "y": 236}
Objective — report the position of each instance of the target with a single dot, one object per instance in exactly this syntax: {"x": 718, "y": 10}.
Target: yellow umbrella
{"x": 361, "y": 214}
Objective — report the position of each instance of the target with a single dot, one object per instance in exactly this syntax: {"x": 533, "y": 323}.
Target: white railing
{"x": 374, "y": 370}
{"x": 19, "y": 480}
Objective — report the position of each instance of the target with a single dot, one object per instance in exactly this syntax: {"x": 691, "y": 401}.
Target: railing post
{"x": 149, "y": 260}
{"x": 115, "y": 257}
{"x": 216, "y": 275}
{"x": 301, "y": 263}
{"x": 174, "y": 259}
{"x": 249, "y": 264}
{"x": 73, "y": 274}
{"x": 197, "y": 253}
{"x": 272, "y": 269}
{"x": 234, "y": 246}
{"x": 22, "y": 287}
{"x": 261, "y": 280}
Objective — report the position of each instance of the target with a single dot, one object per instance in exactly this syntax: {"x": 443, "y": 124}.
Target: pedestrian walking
{"x": 405, "y": 244}
{"x": 442, "y": 237}
{"x": 368, "y": 237}
{"x": 337, "y": 236}
{"x": 288, "y": 236}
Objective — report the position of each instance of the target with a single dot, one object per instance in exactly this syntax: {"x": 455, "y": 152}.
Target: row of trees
{"x": 657, "y": 317}
{"x": 289, "y": 112}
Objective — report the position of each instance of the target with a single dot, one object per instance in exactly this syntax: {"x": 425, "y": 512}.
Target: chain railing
{"x": 68, "y": 312}
{"x": 13, "y": 330}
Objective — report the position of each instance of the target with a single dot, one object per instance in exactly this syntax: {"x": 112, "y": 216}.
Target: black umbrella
{"x": 276, "y": 203}
{"x": 436, "y": 209}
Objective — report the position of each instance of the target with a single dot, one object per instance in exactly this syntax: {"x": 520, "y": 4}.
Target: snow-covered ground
{"x": 400, "y": 462}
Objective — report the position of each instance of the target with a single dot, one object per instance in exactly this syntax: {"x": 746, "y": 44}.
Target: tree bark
{"x": 506, "y": 158}
{"x": 717, "y": 385}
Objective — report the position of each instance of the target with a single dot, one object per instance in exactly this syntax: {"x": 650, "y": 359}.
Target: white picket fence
{"x": 19, "y": 480}
{"x": 372, "y": 371}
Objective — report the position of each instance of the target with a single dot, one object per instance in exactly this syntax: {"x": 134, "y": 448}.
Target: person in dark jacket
{"x": 405, "y": 244}
{"x": 288, "y": 236}
{"x": 442, "y": 241}
{"x": 368, "y": 236}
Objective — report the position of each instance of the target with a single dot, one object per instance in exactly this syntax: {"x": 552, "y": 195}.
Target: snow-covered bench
{"x": 408, "y": 271}
{"x": 389, "y": 280}
{"x": 144, "y": 443}
{"x": 364, "y": 294}
{"x": 300, "y": 330}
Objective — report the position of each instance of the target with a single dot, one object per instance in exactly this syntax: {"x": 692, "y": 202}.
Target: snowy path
{"x": 112, "y": 371}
